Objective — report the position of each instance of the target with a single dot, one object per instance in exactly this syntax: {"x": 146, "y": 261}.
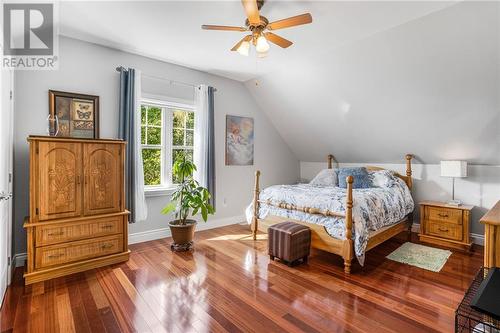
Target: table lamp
{"x": 454, "y": 169}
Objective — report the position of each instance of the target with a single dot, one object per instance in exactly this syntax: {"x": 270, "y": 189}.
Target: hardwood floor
{"x": 229, "y": 284}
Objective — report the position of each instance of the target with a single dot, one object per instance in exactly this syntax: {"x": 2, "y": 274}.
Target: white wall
{"x": 481, "y": 188}
{"x": 88, "y": 68}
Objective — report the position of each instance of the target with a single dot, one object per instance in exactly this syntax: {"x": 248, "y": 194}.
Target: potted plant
{"x": 189, "y": 198}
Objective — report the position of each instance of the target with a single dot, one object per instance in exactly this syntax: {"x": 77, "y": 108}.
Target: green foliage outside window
{"x": 152, "y": 166}
{"x": 182, "y": 137}
{"x": 151, "y": 128}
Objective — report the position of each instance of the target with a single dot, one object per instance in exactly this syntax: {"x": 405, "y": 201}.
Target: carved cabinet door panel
{"x": 103, "y": 175}
{"x": 59, "y": 180}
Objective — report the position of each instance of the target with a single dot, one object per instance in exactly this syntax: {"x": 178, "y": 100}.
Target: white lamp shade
{"x": 454, "y": 169}
{"x": 243, "y": 48}
{"x": 262, "y": 46}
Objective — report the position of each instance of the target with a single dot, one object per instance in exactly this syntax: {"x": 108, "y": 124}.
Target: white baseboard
{"x": 476, "y": 238}
{"x": 144, "y": 236}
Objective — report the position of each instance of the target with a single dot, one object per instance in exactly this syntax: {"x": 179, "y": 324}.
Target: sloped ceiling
{"x": 429, "y": 87}
{"x": 171, "y": 30}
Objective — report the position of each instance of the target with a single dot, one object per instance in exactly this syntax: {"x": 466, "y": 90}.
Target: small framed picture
{"x": 77, "y": 114}
{"x": 239, "y": 140}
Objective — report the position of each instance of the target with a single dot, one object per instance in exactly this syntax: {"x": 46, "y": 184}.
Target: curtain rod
{"x": 121, "y": 68}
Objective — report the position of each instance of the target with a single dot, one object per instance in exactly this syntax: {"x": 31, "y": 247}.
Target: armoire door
{"x": 103, "y": 178}
{"x": 59, "y": 176}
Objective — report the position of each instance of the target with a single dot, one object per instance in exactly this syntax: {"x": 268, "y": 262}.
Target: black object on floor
{"x": 468, "y": 319}
{"x": 487, "y": 298}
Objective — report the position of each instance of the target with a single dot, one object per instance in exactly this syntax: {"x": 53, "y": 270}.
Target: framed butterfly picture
{"x": 77, "y": 114}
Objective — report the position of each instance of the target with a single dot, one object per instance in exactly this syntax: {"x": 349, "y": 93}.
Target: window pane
{"x": 143, "y": 114}
{"x": 177, "y": 154}
{"x": 143, "y": 134}
{"x": 179, "y": 119}
{"x": 152, "y": 166}
{"x": 154, "y": 135}
{"x": 190, "y": 120}
{"x": 189, "y": 137}
{"x": 189, "y": 154}
{"x": 178, "y": 137}
{"x": 154, "y": 116}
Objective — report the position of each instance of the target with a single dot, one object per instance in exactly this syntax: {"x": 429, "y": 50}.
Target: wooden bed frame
{"x": 320, "y": 237}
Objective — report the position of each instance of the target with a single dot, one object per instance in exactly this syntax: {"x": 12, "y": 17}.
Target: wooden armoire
{"x": 78, "y": 219}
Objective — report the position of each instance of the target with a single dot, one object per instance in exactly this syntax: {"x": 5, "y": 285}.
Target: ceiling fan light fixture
{"x": 244, "y": 48}
{"x": 262, "y": 46}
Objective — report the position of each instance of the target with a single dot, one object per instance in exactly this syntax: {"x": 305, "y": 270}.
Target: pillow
{"x": 360, "y": 175}
{"x": 382, "y": 178}
{"x": 326, "y": 177}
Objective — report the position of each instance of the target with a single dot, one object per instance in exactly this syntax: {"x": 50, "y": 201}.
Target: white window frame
{"x": 165, "y": 104}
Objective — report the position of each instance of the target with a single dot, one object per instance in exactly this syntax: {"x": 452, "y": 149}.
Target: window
{"x": 182, "y": 135}
{"x": 167, "y": 130}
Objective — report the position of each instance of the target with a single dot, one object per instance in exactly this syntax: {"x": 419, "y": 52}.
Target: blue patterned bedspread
{"x": 373, "y": 208}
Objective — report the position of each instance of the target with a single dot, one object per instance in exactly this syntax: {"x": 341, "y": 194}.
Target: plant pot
{"x": 182, "y": 234}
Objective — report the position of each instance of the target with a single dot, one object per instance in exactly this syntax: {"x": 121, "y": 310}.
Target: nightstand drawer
{"x": 447, "y": 215}
{"x": 445, "y": 230}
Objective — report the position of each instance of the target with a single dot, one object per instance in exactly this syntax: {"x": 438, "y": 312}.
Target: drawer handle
{"x": 443, "y": 230}
{"x": 106, "y": 246}
{"x": 53, "y": 256}
{"x": 108, "y": 226}
{"x": 443, "y": 215}
{"x": 59, "y": 233}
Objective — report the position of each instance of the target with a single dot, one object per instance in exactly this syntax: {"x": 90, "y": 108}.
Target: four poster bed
{"x": 267, "y": 206}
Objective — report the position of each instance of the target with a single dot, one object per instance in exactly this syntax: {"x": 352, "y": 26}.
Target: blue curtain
{"x": 211, "y": 146}
{"x": 126, "y": 132}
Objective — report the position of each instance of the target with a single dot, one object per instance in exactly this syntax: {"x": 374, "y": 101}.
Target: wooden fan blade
{"x": 290, "y": 22}
{"x": 244, "y": 39}
{"x": 251, "y": 10}
{"x": 280, "y": 41}
{"x": 222, "y": 27}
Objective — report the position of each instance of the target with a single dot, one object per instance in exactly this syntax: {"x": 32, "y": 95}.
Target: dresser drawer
{"x": 445, "y": 230}
{"x": 66, "y": 232}
{"x": 74, "y": 251}
{"x": 448, "y": 215}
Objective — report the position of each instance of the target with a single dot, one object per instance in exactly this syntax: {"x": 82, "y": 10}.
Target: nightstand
{"x": 445, "y": 225}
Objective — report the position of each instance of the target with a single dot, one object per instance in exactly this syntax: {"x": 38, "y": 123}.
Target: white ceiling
{"x": 170, "y": 30}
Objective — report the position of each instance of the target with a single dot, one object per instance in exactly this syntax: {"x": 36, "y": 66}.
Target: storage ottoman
{"x": 289, "y": 242}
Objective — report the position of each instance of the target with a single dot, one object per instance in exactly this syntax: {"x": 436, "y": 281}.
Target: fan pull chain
{"x": 256, "y": 71}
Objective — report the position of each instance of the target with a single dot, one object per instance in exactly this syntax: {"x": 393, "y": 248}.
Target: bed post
{"x": 410, "y": 185}
{"x": 408, "y": 170}
{"x": 348, "y": 243}
{"x": 330, "y": 161}
{"x": 255, "y": 219}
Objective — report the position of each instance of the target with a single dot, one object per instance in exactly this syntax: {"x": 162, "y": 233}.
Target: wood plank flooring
{"x": 228, "y": 284}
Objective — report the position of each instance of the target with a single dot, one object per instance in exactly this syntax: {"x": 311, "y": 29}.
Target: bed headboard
{"x": 407, "y": 179}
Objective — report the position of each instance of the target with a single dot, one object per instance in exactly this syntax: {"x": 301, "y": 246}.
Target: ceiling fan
{"x": 259, "y": 27}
